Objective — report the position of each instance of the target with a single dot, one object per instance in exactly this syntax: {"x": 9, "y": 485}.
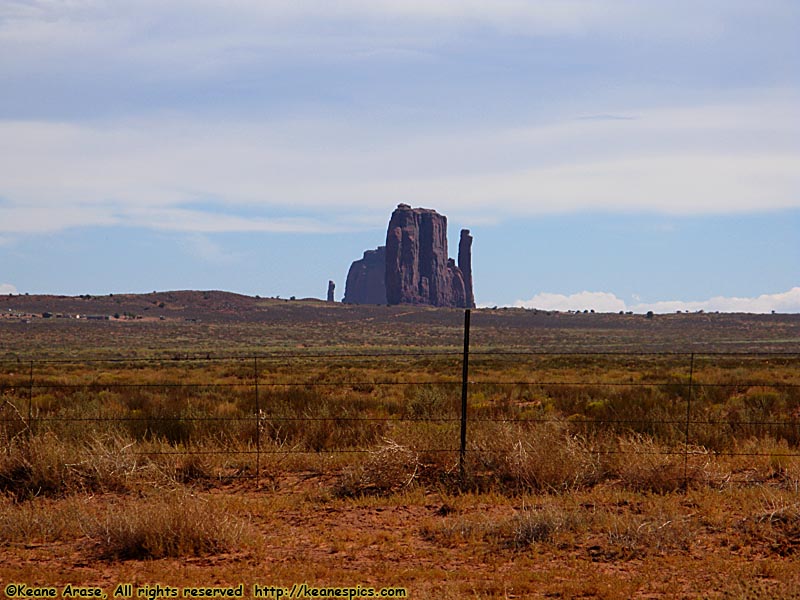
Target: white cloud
{"x": 7, "y": 288}
{"x": 200, "y": 246}
{"x": 37, "y": 219}
{"x": 649, "y": 18}
{"x": 148, "y": 172}
{"x": 597, "y": 301}
{"x": 198, "y": 221}
{"x": 152, "y": 41}
{"x": 726, "y": 152}
{"x": 784, "y": 302}
{"x": 192, "y": 39}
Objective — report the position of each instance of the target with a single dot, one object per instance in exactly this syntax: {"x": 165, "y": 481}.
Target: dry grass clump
{"x": 43, "y": 520}
{"x": 528, "y": 527}
{"x": 431, "y": 402}
{"x": 637, "y": 527}
{"x": 170, "y": 465}
{"x": 110, "y": 463}
{"x": 46, "y": 465}
{"x": 518, "y": 458}
{"x": 31, "y": 466}
{"x": 632, "y": 536}
{"x": 436, "y": 446}
{"x": 317, "y": 421}
{"x": 776, "y": 524}
{"x": 387, "y": 470}
{"x": 644, "y": 465}
{"x": 177, "y": 524}
{"x": 523, "y": 529}
{"x": 426, "y": 450}
{"x": 451, "y": 532}
{"x": 756, "y": 461}
{"x": 542, "y": 457}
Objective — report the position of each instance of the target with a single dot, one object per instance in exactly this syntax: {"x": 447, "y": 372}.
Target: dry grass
{"x": 642, "y": 464}
{"x": 47, "y": 465}
{"x": 607, "y": 533}
{"x": 42, "y": 520}
{"x": 174, "y": 523}
{"x": 387, "y": 470}
{"x": 543, "y": 457}
{"x": 634, "y": 536}
{"x": 566, "y": 485}
{"x": 535, "y": 526}
{"x": 169, "y": 525}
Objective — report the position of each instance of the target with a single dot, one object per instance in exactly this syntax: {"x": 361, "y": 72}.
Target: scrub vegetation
{"x": 595, "y": 474}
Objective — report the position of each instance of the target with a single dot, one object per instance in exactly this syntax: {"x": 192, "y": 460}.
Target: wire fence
{"x": 253, "y": 408}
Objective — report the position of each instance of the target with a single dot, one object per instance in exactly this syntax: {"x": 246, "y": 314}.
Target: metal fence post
{"x": 688, "y": 418}
{"x": 30, "y": 401}
{"x": 464, "y": 393}
{"x": 258, "y": 422}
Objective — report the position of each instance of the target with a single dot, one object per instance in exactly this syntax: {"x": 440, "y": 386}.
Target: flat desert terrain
{"x": 206, "y": 444}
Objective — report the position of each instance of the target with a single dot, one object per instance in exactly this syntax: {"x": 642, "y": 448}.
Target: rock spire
{"x": 413, "y": 267}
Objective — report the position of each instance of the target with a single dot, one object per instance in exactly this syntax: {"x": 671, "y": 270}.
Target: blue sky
{"x": 621, "y": 154}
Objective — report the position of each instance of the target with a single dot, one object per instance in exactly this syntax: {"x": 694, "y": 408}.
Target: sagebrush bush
{"x": 431, "y": 402}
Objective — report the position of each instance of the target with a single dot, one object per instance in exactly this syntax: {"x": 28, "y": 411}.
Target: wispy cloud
{"x": 22, "y": 20}
{"x": 606, "y": 118}
{"x": 199, "y": 117}
{"x": 7, "y": 288}
{"x": 202, "y": 247}
{"x": 784, "y": 302}
{"x": 198, "y": 221}
{"x": 143, "y": 172}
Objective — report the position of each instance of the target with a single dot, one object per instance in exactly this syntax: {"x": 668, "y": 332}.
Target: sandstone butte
{"x": 413, "y": 267}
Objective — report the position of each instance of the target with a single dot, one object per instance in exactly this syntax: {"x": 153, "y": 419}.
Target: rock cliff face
{"x": 465, "y": 264}
{"x": 331, "y": 288}
{"x": 418, "y": 270}
{"x": 413, "y": 267}
{"x": 366, "y": 280}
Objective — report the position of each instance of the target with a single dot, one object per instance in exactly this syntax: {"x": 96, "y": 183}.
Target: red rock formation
{"x": 366, "y": 279}
{"x": 413, "y": 267}
{"x": 418, "y": 270}
{"x": 465, "y": 264}
{"x": 331, "y": 287}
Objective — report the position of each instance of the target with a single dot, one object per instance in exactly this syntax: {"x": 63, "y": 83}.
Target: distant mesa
{"x": 413, "y": 267}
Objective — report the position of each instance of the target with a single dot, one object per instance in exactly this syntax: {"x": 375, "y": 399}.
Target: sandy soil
{"x": 302, "y": 534}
